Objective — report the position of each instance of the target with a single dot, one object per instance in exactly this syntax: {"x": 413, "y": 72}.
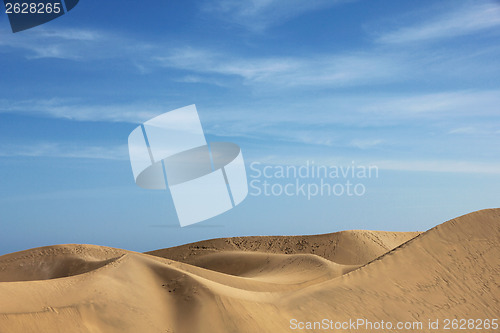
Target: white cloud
{"x": 487, "y": 127}
{"x": 258, "y": 15}
{"x": 464, "y": 130}
{"x": 454, "y": 103}
{"x": 69, "y": 34}
{"x": 83, "y": 110}
{"x": 322, "y": 70}
{"x": 373, "y": 66}
{"x": 191, "y": 79}
{"x": 93, "y": 193}
{"x": 471, "y": 18}
{"x": 53, "y": 149}
{"x": 439, "y": 166}
{"x": 366, "y": 143}
{"x": 306, "y": 120}
{"x": 327, "y": 70}
{"x": 73, "y": 44}
{"x": 446, "y": 166}
{"x": 205, "y": 61}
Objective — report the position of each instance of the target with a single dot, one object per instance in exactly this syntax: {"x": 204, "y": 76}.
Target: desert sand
{"x": 261, "y": 284}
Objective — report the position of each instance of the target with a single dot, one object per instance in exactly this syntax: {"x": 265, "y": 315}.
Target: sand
{"x": 261, "y": 284}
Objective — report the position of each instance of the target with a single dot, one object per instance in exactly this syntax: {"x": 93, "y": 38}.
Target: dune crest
{"x": 258, "y": 284}
{"x": 54, "y": 262}
{"x": 352, "y": 247}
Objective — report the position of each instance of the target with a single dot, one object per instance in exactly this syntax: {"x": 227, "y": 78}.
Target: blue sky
{"x": 411, "y": 87}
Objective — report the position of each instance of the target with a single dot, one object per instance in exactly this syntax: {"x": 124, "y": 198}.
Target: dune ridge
{"x": 258, "y": 284}
{"x": 352, "y": 247}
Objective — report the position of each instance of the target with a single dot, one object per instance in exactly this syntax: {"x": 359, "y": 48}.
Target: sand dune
{"x": 353, "y": 247}
{"x": 259, "y": 284}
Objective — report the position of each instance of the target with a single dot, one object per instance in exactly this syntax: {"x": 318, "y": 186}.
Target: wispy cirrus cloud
{"x": 326, "y": 70}
{"x": 366, "y": 143}
{"x": 473, "y": 17}
{"x": 207, "y": 61}
{"x": 373, "y": 65}
{"x": 258, "y": 15}
{"x": 448, "y": 166}
{"x": 421, "y": 165}
{"x": 330, "y": 69}
{"x": 372, "y": 110}
{"x": 464, "y": 130}
{"x": 71, "y": 44}
{"x": 76, "y": 44}
{"x": 81, "y": 110}
{"x": 488, "y": 128}
{"x": 461, "y": 103}
{"x": 64, "y": 150}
